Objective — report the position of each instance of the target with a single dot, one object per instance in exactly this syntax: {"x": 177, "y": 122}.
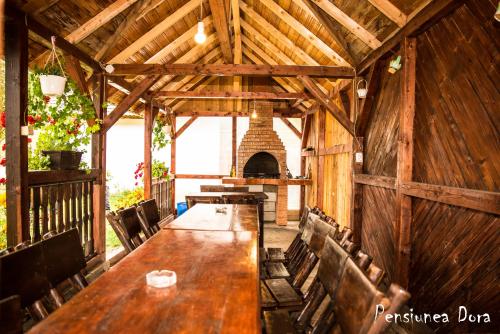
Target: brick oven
{"x": 261, "y": 158}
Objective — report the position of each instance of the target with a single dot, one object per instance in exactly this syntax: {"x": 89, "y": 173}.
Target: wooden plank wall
{"x": 455, "y": 250}
{"x": 454, "y": 253}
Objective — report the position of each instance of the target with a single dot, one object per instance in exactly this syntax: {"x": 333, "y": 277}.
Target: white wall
{"x": 204, "y": 148}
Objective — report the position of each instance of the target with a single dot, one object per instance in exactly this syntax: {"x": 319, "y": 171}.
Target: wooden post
{"x": 303, "y": 167}
{"x": 172, "y": 162}
{"x": 16, "y": 99}
{"x": 357, "y": 190}
{"x": 320, "y": 190}
{"x": 405, "y": 161}
{"x": 148, "y": 138}
{"x": 99, "y": 162}
{"x": 233, "y": 141}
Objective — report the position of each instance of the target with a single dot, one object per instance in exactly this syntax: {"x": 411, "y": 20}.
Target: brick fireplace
{"x": 262, "y": 156}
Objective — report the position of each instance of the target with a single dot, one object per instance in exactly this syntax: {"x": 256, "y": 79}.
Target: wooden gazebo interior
{"x": 413, "y": 168}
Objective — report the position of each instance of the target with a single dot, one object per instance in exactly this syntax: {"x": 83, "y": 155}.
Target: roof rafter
{"x": 155, "y": 31}
{"x": 220, "y": 15}
{"x": 129, "y": 20}
{"x": 302, "y": 30}
{"x": 351, "y": 25}
{"x": 392, "y": 12}
{"x": 330, "y": 27}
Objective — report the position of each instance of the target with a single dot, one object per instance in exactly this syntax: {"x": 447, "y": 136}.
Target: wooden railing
{"x": 60, "y": 200}
{"x": 161, "y": 192}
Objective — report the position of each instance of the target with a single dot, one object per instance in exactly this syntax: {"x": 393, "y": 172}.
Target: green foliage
{"x": 160, "y": 139}
{"x": 126, "y": 198}
{"x": 112, "y": 240}
{"x": 52, "y": 69}
{"x": 159, "y": 169}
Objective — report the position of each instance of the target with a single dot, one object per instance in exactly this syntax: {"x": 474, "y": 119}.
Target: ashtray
{"x": 221, "y": 209}
{"x": 161, "y": 278}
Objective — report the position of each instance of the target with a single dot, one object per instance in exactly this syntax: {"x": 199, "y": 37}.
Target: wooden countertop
{"x": 257, "y": 181}
{"x": 238, "y": 217}
{"x": 257, "y": 195}
{"x": 217, "y": 289}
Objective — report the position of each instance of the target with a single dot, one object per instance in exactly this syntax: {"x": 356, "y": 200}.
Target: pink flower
{"x": 3, "y": 162}
{"x": 3, "y": 180}
{"x": 137, "y": 183}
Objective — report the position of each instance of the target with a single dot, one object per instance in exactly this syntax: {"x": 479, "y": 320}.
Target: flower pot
{"x": 64, "y": 159}
{"x": 52, "y": 85}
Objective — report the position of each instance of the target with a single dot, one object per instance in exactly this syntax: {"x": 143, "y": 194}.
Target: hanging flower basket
{"x": 53, "y": 78}
{"x": 52, "y": 85}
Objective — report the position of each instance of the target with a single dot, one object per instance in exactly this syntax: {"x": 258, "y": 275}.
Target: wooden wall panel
{"x": 455, "y": 262}
{"x": 382, "y": 131}
{"x": 377, "y": 237}
{"x": 455, "y": 259}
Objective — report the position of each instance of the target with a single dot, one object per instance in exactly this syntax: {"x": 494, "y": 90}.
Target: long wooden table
{"x": 238, "y": 217}
{"x": 212, "y": 196}
{"x": 217, "y": 289}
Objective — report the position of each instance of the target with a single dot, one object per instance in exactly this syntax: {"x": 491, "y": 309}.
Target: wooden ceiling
{"x": 288, "y": 32}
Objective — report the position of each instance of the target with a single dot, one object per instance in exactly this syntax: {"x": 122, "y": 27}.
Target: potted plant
{"x": 52, "y": 79}
{"x": 158, "y": 171}
{"x": 62, "y": 123}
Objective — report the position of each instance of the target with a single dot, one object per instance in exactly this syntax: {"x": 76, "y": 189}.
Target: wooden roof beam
{"x": 230, "y": 70}
{"x": 218, "y": 9}
{"x": 273, "y": 48}
{"x": 154, "y": 32}
{"x": 185, "y": 126}
{"x": 291, "y": 127}
{"x": 128, "y": 101}
{"x": 324, "y": 100}
{"x": 277, "y": 112}
{"x": 234, "y": 95}
{"x": 418, "y": 20}
{"x": 390, "y": 11}
{"x": 238, "y": 53}
{"x": 129, "y": 20}
{"x": 367, "y": 37}
{"x": 306, "y": 33}
{"x": 329, "y": 26}
{"x": 185, "y": 37}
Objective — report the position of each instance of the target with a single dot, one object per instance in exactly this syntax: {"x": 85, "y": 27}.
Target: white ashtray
{"x": 161, "y": 278}
{"x": 222, "y": 209}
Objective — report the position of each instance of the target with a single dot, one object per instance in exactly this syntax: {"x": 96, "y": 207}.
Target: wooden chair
{"x": 64, "y": 260}
{"x": 11, "y": 316}
{"x": 275, "y": 254}
{"x": 149, "y": 217}
{"x": 23, "y": 273}
{"x": 127, "y": 227}
{"x": 223, "y": 189}
{"x": 287, "y": 293}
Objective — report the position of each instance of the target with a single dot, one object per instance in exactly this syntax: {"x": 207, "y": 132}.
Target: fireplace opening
{"x": 262, "y": 165}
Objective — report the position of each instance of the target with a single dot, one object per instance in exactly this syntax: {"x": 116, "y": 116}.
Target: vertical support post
{"x": 302, "y": 169}
{"x": 148, "y": 138}
{"x": 357, "y": 190}
{"x": 99, "y": 162}
{"x": 233, "y": 139}
{"x": 172, "y": 161}
{"x": 16, "y": 94}
{"x": 320, "y": 190}
{"x": 405, "y": 159}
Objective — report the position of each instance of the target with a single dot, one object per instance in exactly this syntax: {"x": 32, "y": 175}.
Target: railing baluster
{"x": 53, "y": 207}
{"x": 79, "y": 213}
{"x": 36, "y": 213}
{"x": 60, "y": 208}
{"x": 91, "y": 217}
{"x": 86, "y": 218}
{"x": 45, "y": 213}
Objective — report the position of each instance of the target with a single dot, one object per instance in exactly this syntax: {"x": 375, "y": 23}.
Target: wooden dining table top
{"x": 256, "y": 194}
{"x": 238, "y": 217}
{"x": 217, "y": 289}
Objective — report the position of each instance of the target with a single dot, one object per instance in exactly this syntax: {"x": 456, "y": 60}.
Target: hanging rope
{"x": 53, "y": 57}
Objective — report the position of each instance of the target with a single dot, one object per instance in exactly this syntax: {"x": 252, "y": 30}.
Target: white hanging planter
{"x": 362, "y": 92}
{"x": 52, "y": 85}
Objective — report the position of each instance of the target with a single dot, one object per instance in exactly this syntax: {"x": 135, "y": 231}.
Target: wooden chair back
{"x": 23, "y": 273}
{"x": 149, "y": 217}
{"x": 127, "y": 227}
{"x": 64, "y": 258}
{"x": 11, "y": 317}
{"x": 223, "y": 189}
{"x": 356, "y": 300}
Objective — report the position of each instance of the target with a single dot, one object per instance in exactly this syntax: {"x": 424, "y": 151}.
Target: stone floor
{"x": 280, "y": 236}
